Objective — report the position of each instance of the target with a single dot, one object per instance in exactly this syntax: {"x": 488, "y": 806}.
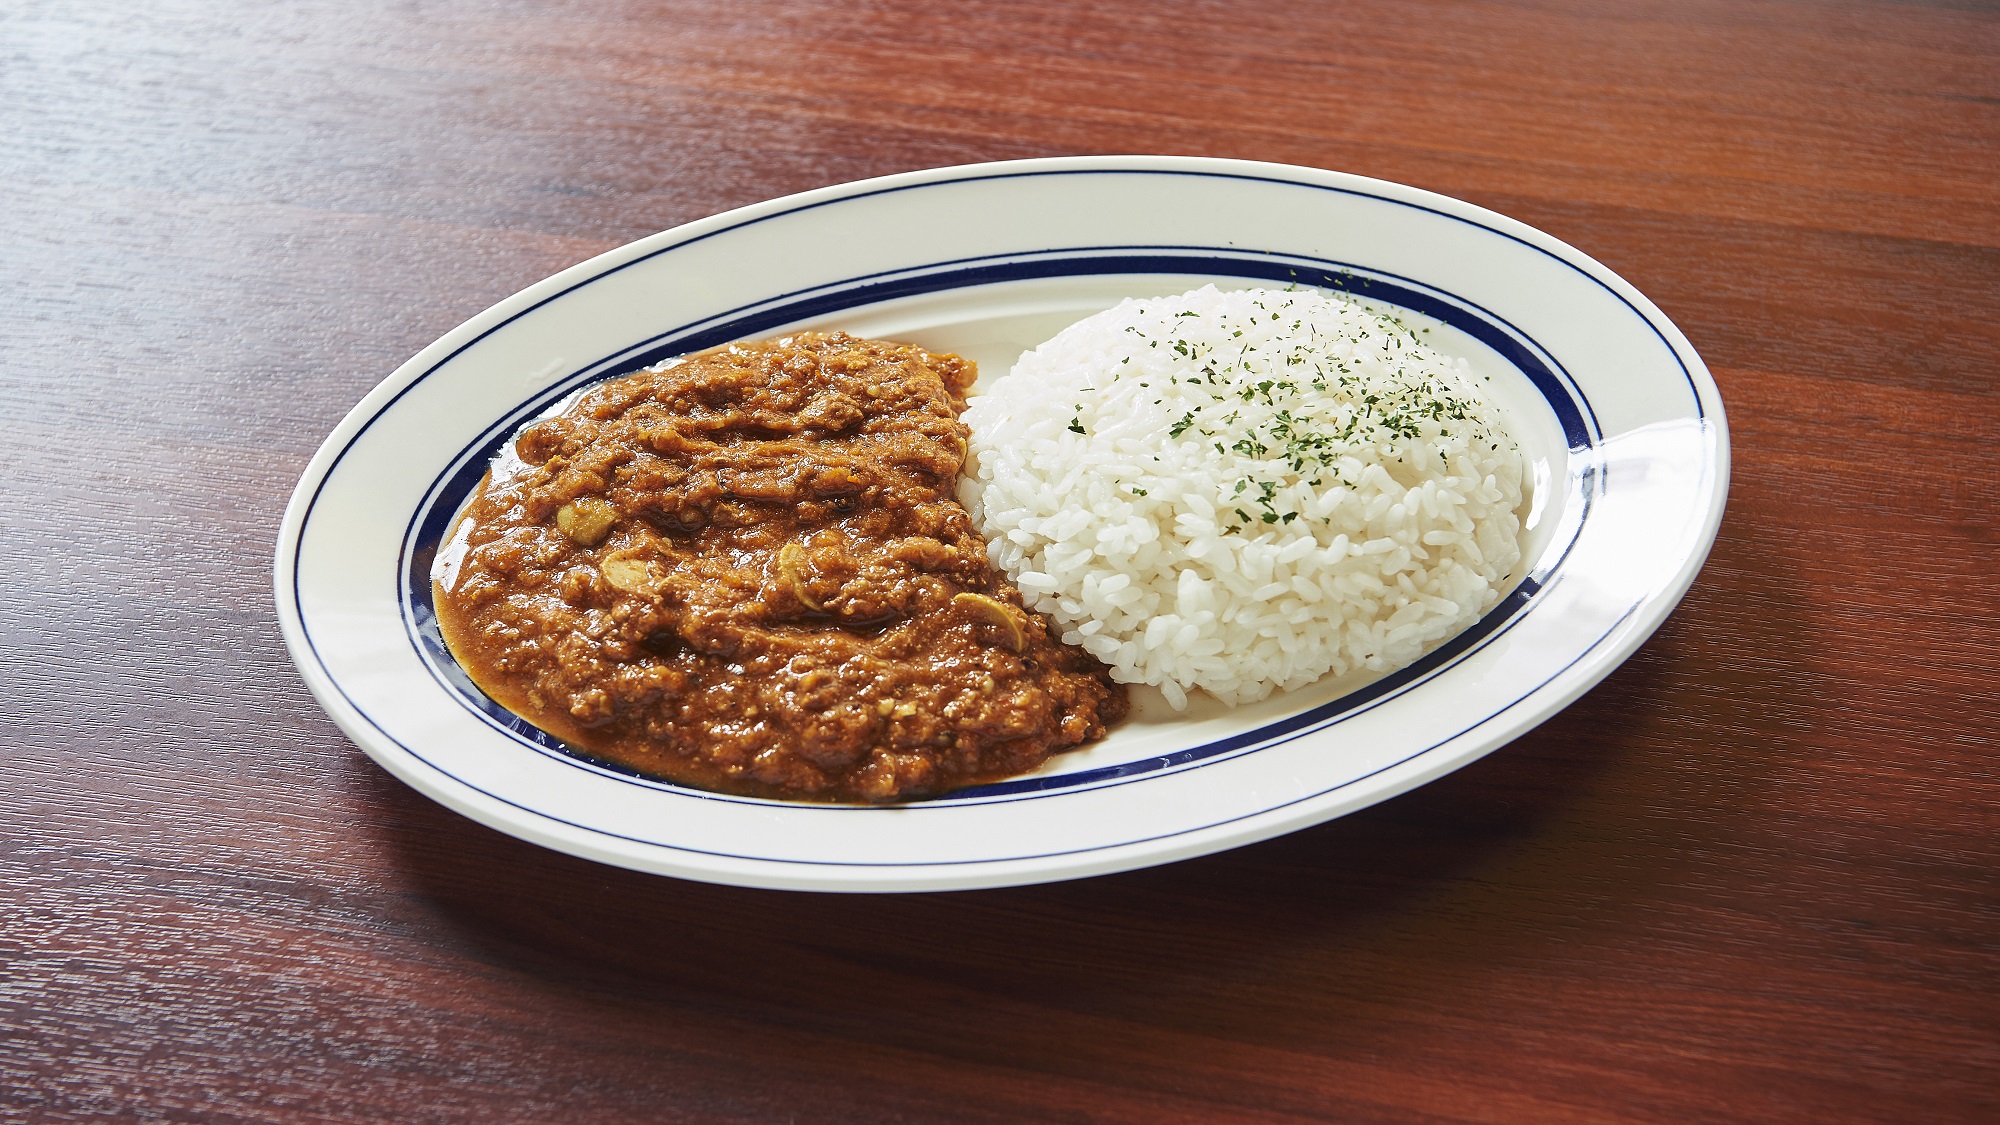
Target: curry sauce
{"x": 746, "y": 570}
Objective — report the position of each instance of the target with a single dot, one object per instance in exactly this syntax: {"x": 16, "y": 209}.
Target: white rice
{"x": 1243, "y": 492}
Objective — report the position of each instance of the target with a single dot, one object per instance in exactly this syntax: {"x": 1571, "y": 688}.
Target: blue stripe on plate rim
{"x": 1584, "y": 482}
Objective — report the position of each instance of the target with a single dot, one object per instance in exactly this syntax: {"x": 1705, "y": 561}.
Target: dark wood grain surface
{"x": 1751, "y": 877}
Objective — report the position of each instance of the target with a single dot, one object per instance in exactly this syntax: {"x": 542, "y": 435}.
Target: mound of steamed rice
{"x": 1243, "y": 492}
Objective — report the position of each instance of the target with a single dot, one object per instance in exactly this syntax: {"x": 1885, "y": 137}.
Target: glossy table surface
{"x": 1753, "y": 876}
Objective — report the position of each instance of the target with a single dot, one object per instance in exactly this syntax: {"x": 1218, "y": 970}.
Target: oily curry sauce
{"x": 746, "y": 570}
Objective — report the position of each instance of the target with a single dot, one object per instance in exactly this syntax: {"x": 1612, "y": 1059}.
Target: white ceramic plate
{"x": 1618, "y": 414}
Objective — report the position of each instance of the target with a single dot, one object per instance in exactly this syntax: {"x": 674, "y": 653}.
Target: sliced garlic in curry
{"x": 626, "y": 571}
{"x": 791, "y": 566}
{"x": 587, "y": 521}
{"x": 992, "y": 612}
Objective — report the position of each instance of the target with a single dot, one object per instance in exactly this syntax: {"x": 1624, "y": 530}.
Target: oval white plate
{"x": 1619, "y": 415}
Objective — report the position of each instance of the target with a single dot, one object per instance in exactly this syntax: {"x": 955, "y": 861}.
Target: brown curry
{"x": 746, "y": 570}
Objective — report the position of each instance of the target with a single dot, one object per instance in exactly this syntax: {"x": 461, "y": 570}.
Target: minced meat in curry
{"x": 745, "y": 570}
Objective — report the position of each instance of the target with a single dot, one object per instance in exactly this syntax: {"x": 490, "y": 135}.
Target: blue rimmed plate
{"x": 1622, "y": 424}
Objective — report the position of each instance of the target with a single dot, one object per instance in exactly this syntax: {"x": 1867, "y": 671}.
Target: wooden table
{"x": 1752, "y": 877}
